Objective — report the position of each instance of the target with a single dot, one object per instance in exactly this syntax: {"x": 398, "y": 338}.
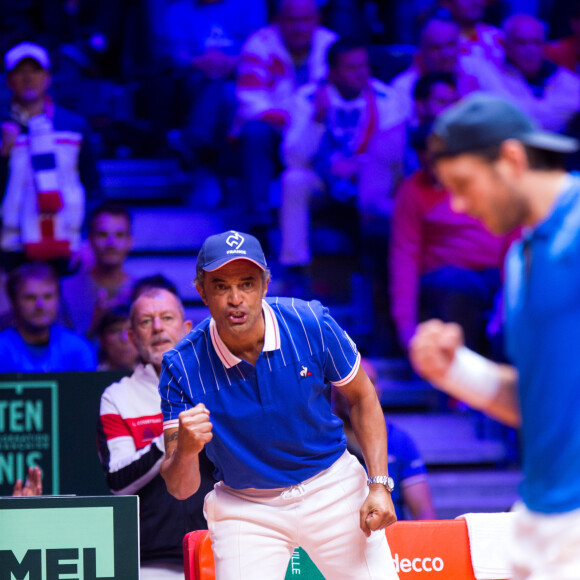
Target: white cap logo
{"x": 235, "y": 241}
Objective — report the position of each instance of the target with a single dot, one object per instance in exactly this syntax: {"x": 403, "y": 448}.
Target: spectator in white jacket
{"x": 478, "y": 38}
{"x": 438, "y": 52}
{"x": 345, "y": 145}
{"x": 548, "y": 93}
{"x": 275, "y": 61}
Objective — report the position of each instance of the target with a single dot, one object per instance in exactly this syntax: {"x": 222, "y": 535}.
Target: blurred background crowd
{"x": 132, "y": 129}
{"x": 301, "y": 121}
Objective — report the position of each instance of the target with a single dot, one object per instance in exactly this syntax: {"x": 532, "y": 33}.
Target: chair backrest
{"x": 422, "y": 550}
{"x": 198, "y": 556}
{"x": 431, "y": 549}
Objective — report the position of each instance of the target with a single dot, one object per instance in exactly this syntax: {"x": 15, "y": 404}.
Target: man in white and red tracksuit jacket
{"x": 131, "y": 446}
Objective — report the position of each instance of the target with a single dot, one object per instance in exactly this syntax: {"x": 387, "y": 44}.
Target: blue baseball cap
{"x": 482, "y": 120}
{"x": 220, "y": 249}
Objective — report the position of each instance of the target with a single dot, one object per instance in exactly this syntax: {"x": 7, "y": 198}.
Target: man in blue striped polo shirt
{"x": 252, "y": 384}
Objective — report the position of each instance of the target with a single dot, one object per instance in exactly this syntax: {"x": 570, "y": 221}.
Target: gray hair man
{"x": 131, "y": 445}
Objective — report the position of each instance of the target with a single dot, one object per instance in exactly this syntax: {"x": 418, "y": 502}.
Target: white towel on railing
{"x": 490, "y": 539}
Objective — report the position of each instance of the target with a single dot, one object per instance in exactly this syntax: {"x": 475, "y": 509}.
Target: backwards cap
{"x": 481, "y": 120}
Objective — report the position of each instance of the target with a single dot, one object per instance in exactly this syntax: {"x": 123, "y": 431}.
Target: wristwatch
{"x": 386, "y": 480}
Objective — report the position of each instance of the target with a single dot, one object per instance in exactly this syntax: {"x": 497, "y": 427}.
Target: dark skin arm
{"x": 180, "y": 468}
{"x": 368, "y": 423}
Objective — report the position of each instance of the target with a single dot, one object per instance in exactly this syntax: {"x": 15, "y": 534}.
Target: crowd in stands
{"x": 304, "y": 112}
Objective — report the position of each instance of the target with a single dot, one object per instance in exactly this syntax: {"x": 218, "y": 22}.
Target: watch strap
{"x": 385, "y": 480}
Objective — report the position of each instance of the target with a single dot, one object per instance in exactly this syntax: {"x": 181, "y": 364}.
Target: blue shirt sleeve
{"x": 342, "y": 358}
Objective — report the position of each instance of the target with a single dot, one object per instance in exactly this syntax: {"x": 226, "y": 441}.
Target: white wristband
{"x": 472, "y": 378}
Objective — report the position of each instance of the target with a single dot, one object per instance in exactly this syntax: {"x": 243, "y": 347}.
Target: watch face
{"x": 390, "y": 483}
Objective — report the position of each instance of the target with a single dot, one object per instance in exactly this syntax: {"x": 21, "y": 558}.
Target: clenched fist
{"x": 195, "y": 429}
{"x": 433, "y": 347}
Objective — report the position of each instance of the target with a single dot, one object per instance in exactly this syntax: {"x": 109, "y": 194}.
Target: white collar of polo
{"x": 271, "y": 337}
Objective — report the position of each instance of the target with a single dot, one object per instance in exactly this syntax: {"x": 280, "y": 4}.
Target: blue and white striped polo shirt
{"x": 272, "y": 423}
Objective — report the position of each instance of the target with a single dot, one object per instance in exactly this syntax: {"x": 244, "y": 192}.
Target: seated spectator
{"x": 433, "y": 92}
{"x": 105, "y": 284}
{"x": 201, "y": 41}
{"x": 46, "y": 167}
{"x": 477, "y": 38}
{"x": 565, "y": 51}
{"x": 32, "y": 486}
{"x": 345, "y": 145}
{"x": 36, "y": 343}
{"x": 546, "y": 92}
{"x": 131, "y": 444}
{"x": 274, "y": 62}
{"x": 406, "y": 466}
{"x": 116, "y": 351}
{"x": 438, "y": 53}
{"x": 442, "y": 264}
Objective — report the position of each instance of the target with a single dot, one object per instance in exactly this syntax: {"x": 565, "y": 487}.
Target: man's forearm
{"x": 505, "y": 407}
{"x": 484, "y": 385}
{"x": 179, "y": 470}
{"x": 368, "y": 423}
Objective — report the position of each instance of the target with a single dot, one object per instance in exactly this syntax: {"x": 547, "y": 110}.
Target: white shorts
{"x": 546, "y": 546}
{"x": 254, "y": 532}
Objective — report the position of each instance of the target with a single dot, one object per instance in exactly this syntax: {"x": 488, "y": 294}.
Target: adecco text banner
{"x": 423, "y": 550}
{"x": 431, "y": 550}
